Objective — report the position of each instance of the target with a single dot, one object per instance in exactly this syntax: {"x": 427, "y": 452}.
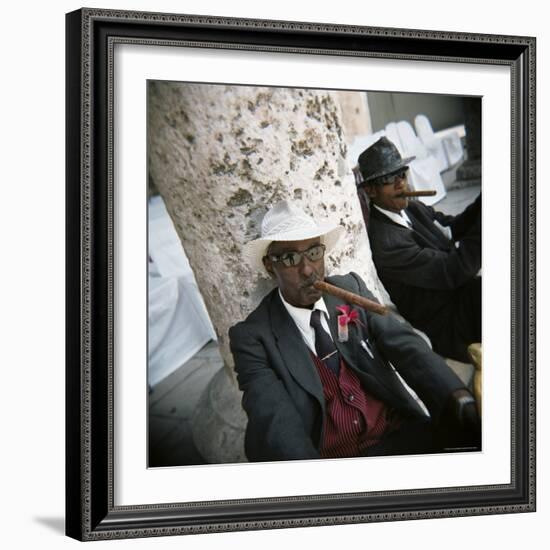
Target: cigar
{"x": 429, "y": 193}
{"x": 365, "y": 303}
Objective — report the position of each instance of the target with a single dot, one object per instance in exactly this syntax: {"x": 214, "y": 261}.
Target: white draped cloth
{"x": 178, "y": 322}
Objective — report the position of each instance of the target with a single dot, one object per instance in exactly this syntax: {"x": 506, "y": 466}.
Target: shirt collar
{"x": 400, "y": 218}
{"x": 302, "y": 315}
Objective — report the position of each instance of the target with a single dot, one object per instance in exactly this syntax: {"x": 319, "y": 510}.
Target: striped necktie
{"x": 324, "y": 346}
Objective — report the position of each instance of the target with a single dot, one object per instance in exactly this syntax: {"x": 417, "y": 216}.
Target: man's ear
{"x": 268, "y": 265}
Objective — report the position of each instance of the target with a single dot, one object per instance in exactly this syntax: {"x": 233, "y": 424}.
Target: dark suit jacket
{"x": 423, "y": 271}
{"x": 283, "y": 395}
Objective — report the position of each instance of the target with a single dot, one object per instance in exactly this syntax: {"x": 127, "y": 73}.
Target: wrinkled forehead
{"x": 280, "y": 247}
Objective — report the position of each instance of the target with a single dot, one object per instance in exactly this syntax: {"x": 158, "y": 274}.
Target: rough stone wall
{"x": 221, "y": 155}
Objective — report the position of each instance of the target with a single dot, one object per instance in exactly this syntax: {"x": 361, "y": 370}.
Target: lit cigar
{"x": 350, "y": 297}
{"x": 409, "y": 194}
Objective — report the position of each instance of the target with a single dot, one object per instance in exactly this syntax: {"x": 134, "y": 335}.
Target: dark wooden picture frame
{"x": 90, "y": 509}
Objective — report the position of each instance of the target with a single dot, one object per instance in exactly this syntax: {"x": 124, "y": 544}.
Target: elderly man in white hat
{"x": 316, "y": 373}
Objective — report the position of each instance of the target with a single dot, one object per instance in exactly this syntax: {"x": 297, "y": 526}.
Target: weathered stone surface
{"x": 221, "y": 155}
{"x": 219, "y": 421}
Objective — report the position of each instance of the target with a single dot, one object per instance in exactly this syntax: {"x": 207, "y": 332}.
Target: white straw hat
{"x": 288, "y": 222}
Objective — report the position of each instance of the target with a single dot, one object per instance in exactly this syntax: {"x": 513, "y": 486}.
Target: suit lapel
{"x": 348, "y": 350}
{"x": 294, "y": 351}
{"x": 355, "y": 356}
{"x": 432, "y": 237}
{"x": 429, "y": 234}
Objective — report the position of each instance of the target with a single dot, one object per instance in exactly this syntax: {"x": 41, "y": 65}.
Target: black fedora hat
{"x": 381, "y": 159}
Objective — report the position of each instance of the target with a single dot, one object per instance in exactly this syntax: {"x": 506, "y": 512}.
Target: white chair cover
{"x": 430, "y": 141}
{"x": 446, "y": 140}
{"x": 412, "y": 146}
{"x": 453, "y": 148}
{"x": 424, "y": 175}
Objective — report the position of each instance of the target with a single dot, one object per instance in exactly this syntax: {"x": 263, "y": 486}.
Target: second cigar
{"x": 427, "y": 193}
{"x": 365, "y": 303}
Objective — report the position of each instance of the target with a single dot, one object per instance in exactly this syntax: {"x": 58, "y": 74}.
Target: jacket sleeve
{"x": 460, "y": 224}
{"x": 275, "y": 429}
{"x": 470, "y": 218}
{"x": 421, "y": 368}
{"x": 400, "y": 257}
{"x": 444, "y": 219}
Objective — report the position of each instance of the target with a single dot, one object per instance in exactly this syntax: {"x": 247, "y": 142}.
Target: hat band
{"x": 287, "y": 226}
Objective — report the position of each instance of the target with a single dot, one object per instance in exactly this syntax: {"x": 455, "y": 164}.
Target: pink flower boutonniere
{"x": 346, "y": 317}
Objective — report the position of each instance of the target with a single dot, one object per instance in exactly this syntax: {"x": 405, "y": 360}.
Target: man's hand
{"x": 464, "y": 410}
{"x": 461, "y": 420}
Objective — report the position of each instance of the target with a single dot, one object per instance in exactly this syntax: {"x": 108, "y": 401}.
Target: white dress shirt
{"x": 302, "y": 317}
{"x": 401, "y": 218}
{"x": 398, "y": 217}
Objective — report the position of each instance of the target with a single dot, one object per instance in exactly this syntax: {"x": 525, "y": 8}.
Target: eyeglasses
{"x": 389, "y": 180}
{"x": 291, "y": 259}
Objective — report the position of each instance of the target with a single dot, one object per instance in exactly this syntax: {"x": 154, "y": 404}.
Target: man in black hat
{"x": 428, "y": 261}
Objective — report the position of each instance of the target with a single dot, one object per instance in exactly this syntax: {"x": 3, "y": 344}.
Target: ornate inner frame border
{"x": 90, "y": 510}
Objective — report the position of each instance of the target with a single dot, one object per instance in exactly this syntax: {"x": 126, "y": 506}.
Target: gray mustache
{"x": 309, "y": 281}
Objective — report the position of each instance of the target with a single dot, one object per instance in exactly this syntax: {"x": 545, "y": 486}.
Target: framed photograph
{"x": 182, "y": 132}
